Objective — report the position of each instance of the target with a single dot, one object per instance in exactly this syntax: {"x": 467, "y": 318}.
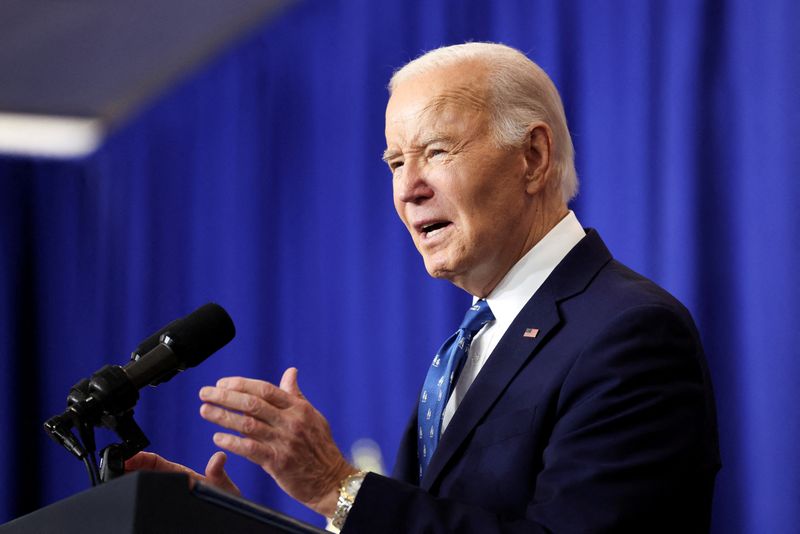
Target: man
{"x": 575, "y": 396}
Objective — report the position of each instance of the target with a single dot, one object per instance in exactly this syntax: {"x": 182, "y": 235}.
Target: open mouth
{"x": 431, "y": 229}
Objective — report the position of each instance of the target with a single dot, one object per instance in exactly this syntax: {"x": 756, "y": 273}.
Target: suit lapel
{"x": 571, "y": 276}
{"x": 406, "y": 466}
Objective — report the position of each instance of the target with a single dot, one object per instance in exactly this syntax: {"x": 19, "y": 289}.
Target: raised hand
{"x": 280, "y": 431}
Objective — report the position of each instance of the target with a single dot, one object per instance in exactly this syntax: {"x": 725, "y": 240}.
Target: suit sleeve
{"x": 632, "y": 445}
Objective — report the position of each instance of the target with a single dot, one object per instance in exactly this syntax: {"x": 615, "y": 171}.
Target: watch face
{"x": 353, "y": 484}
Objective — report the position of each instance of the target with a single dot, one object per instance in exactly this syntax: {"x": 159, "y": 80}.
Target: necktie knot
{"x": 477, "y": 316}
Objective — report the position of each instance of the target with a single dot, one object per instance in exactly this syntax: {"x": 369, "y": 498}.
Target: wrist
{"x": 348, "y": 490}
{"x": 327, "y": 504}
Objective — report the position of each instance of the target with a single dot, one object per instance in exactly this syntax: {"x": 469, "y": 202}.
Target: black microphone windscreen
{"x": 200, "y": 334}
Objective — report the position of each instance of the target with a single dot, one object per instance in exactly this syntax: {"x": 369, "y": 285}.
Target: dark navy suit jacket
{"x": 604, "y": 422}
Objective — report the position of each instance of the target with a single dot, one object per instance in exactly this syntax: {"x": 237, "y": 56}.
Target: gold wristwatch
{"x": 347, "y": 496}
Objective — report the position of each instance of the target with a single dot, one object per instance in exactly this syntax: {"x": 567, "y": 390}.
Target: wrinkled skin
{"x": 277, "y": 429}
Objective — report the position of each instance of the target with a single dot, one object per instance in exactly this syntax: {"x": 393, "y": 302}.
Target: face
{"x": 463, "y": 199}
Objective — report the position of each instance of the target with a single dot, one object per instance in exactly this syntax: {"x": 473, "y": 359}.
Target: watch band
{"x": 347, "y": 496}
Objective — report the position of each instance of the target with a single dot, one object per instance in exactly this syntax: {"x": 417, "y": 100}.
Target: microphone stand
{"x": 112, "y": 462}
{"x": 84, "y": 413}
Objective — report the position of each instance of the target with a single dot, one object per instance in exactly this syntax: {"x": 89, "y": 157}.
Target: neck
{"x": 481, "y": 285}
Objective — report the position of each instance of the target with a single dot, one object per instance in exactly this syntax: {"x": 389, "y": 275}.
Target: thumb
{"x": 216, "y": 465}
{"x": 289, "y": 382}
{"x": 216, "y": 475}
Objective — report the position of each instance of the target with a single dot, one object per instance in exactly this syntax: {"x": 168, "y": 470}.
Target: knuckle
{"x": 222, "y": 416}
{"x": 251, "y": 404}
{"x": 249, "y": 447}
{"x": 306, "y": 410}
{"x": 265, "y": 390}
{"x": 248, "y": 425}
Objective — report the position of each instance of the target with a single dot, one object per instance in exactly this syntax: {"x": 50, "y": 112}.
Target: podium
{"x": 148, "y": 502}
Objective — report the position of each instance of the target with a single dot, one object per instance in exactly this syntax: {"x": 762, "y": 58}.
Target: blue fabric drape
{"x": 258, "y": 184}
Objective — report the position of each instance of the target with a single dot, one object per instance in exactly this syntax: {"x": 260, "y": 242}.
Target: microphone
{"x": 183, "y": 343}
{"x": 149, "y": 344}
{"x": 107, "y": 398}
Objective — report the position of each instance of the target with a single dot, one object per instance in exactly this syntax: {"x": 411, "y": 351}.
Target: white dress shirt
{"x": 510, "y": 296}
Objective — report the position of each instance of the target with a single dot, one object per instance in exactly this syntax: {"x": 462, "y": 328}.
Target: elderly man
{"x": 574, "y": 397}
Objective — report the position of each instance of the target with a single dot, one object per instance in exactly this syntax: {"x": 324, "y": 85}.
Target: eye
{"x": 434, "y": 152}
{"x": 395, "y": 164}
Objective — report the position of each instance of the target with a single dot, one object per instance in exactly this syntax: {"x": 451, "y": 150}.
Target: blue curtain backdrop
{"x": 258, "y": 184}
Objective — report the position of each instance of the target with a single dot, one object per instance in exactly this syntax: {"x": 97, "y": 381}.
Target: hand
{"x": 215, "y": 472}
{"x": 281, "y": 432}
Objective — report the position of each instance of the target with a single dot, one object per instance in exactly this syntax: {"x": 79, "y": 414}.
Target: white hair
{"x": 519, "y": 94}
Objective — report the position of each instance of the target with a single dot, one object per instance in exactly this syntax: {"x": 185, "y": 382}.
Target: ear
{"x": 537, "y": 157}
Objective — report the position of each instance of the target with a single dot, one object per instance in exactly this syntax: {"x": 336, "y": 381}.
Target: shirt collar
{"x": 529, "y": 273}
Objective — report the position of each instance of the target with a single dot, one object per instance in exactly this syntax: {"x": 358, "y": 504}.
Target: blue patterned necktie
{"x": 440, "y": 380}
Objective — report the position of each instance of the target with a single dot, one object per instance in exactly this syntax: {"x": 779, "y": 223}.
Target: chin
{"x": 436, "y": 269}
{"x": 441, "y": 269}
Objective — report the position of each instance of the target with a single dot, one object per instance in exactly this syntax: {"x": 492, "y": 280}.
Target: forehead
{"x": 436, "y": 99}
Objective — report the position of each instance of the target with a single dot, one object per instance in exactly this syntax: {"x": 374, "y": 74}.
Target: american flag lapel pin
{"x": 531, "y": 332}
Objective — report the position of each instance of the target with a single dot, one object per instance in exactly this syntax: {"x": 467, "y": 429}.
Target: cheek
{"x": 489, "y": 214}
{"x": 398, "y": 206}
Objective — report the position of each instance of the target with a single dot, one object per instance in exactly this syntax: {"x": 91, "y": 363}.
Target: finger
{"x": 141, "y": 460}
{"x": 149, "y": 461}
{"x": 137, "y": 461}
{"x": 259, "y": 388}
{"x": 240, "y": 402}
{"x": 216, "y": 475}
{"x": 242, "y": 423}
{"x": 216, "y": 465}
{"x": 255, "y": 451}
{"x": 289, "y": 382}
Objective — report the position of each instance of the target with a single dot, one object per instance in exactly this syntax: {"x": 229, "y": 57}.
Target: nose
{"x": 411, "y": 186}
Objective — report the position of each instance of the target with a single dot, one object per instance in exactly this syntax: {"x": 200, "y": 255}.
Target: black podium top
{"x": 147, "y": 502}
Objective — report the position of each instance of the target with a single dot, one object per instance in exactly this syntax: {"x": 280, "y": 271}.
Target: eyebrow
{"x": 389, "y": 154}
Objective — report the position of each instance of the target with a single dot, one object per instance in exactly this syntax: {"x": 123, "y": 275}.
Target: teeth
{"x": 433, "y": 228}
{"x": 434, "y": 232}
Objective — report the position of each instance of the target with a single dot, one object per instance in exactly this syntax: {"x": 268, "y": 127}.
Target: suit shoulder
{"x": 618, "y": 293}
{"x": 621, "y": 287}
